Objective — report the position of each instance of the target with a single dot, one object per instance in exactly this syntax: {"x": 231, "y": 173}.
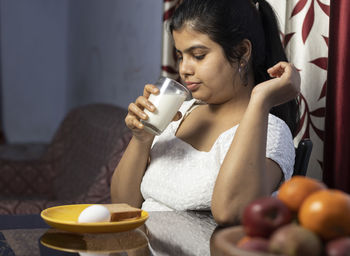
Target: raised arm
{"x": 127, "y": 177}
{"x": 246, "y": 173}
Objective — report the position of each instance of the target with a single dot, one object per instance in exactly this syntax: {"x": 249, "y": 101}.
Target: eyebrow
{"x": 194, "y": 47}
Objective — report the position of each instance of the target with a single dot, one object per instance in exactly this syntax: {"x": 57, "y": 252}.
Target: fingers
{"x": 136, "y": 113}
{"x": 288, "y": 80}
{"x": 280, "y": 68}
{"x": 132, "y": 120}
{"x": 132, "y": 123}
{"x": 142, "y": 103}
{"x": 150, "y": 89}
{"x": 136, "y": 109}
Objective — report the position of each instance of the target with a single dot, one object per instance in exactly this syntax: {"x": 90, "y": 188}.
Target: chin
{"x": 199, "y": 96}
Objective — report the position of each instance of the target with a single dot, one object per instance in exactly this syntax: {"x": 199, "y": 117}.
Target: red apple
{"x": 338, "y": 247}
{"x": 256, "y": 244}
{"x": 265, "y": 215}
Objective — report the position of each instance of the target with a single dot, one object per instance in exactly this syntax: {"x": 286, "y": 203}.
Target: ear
{"x": 245, "y": 48}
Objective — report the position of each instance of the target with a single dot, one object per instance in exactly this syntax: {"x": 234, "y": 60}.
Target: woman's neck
{"x": 233, "y": 108}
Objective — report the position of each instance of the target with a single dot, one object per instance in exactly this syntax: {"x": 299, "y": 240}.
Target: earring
{"x": 241, "y": 66}
{"x": 243, "y": 71}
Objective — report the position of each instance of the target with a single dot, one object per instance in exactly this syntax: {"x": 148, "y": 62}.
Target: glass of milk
{"x": 170, "y": 98}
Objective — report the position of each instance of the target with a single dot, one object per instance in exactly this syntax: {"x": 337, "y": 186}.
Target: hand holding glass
{"x": 170, "y": 98}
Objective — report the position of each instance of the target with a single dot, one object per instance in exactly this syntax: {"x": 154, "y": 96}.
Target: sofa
{"x": 75, "y": 167}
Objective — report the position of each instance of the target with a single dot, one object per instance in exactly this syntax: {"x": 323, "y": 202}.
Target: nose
{"x": 186, "y": 67}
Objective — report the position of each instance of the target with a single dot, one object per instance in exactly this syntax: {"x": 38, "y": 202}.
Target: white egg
{"x": 94, "y": 213}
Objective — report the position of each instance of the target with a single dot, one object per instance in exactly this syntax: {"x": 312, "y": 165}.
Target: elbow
{"x": 225, "y": 220}
{"x": 227, "y": 211}
{"x": 227, "y": 216}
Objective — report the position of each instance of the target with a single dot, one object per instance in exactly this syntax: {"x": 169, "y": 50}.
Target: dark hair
{"x": 228, "y": 22}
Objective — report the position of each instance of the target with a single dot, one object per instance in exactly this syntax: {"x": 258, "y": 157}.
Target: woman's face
{"x": 204, "y": 68}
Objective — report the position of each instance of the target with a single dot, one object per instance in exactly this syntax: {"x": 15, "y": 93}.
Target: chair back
{"x": 88, "y": 139}
{"x": 302, "y": 157}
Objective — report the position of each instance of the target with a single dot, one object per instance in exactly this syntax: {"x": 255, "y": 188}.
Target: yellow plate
{"x": 65, "y": 218}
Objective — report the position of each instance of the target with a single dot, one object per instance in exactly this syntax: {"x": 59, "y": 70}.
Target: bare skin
{"x": 246, "y": 173}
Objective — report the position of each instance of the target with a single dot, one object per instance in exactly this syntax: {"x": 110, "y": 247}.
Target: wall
{"x": 116, "y": 49}
{"x": 57, "y": 55}
{"x": 34, "y": 67}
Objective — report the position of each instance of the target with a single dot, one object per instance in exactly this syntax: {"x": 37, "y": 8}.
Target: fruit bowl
{"x": 223, "y": 242}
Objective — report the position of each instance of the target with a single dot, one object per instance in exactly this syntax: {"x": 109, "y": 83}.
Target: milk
{"x": 167, "y": 106}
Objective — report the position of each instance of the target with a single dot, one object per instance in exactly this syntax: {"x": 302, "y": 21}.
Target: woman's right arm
{"x": 127, "y": 177}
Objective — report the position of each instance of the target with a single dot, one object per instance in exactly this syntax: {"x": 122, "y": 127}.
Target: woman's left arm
{"x": 246, "y": 173}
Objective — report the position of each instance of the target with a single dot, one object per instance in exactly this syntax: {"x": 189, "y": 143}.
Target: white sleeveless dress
{"x": 181, "y": 177}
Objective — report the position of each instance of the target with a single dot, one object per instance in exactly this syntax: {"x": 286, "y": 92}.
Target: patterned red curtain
{"x": 337, "y": 137}
{"x": 169, "y": 65}
{"x": 304, "y": 26}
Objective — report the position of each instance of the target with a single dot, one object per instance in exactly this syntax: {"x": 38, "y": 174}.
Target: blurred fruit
{"x": 256, "y": 244}
{"x": 294, "y": 191}
{"x": 264, "y": 215}
{"x": 338, "y": 247}
{"x": 243, "y": 240}
{"x": 294, "y": 240}
{"x": 327, "y": 213}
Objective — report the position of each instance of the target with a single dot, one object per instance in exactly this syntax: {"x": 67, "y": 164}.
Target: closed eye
{"x": 199, "y": 57}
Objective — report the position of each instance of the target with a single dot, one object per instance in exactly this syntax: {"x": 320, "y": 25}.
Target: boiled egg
{"x": 94, "y": 213}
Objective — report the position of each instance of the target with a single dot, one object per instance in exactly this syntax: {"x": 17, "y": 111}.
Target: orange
{"x": 327, "y": 213}
{"x": 294, "y": 191}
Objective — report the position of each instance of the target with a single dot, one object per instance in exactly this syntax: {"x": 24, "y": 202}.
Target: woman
{"x": 225, "y": 150}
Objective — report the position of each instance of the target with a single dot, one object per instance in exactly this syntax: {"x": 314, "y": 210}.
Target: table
{"x": 164, "y": 233}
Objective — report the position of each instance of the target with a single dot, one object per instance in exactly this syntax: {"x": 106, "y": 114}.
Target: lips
{"x": 192, "y": 86}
